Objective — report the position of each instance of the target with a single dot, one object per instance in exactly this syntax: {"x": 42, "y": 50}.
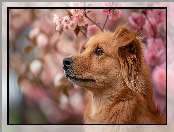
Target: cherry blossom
{"x": 160, "y": 15}
{"x": 57, "y": 20}
{"x": 90, "y": 30}
{"x": 159, "y": 79}
{"x": 151, "y": 58}
{"x": 34, "y": 32}
{"x": 42, "y": 40}
{"x": 35, "y": 66}
{"x": 81, "y": 20}
{"x": 57, "y": 79}
{"x": 77, "y": 12}
{"x": 137, "y": 20}
{"x": 115, "y": 14}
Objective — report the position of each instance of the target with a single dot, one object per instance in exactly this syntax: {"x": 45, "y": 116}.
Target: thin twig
{"x": 105, "y": 22}
{"x": 164, "y": 43}
{"x": 154, "y": 30}
{"x": 93, "y": 21}
{"x": 84, "y": 34}
{"x": 150, "y": 25}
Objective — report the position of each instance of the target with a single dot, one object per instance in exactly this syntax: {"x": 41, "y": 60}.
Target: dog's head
{"x": 105, "y": 58}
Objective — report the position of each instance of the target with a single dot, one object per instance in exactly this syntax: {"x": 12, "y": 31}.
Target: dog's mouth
{"x": 70, "y": 75}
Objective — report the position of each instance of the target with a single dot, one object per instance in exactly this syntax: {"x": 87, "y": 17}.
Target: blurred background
{"x": 38, "y": 91}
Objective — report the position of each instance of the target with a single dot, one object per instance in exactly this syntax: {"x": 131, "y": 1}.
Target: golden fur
{"x": 118, "y": 79}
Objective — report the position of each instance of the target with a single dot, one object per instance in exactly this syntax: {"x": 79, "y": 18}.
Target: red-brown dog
{"x": 112, "y": 67}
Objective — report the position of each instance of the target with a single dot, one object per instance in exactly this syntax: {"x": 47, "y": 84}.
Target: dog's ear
{"x": 122, "y": 36}
{"x": 129, "y": 53}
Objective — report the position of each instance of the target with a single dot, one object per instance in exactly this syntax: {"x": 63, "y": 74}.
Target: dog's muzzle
{"x": 67, "y": 63}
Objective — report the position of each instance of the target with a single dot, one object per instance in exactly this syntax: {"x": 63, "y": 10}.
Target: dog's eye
{"x": 98, "y": 51}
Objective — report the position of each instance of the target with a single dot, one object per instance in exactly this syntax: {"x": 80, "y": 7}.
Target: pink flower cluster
{"x": 113, "y": 14}
{"x": 153, "y": 24}
{"x": 137, "y": 20}
{"x": 155, "y": 53}
{"x": 159, "y": 79}
{"x": 70, "y": 22}
{"x": 91, "y": 30}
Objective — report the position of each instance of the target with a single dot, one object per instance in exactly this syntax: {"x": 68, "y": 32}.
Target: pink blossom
{"x": 161, "y": 28}
{"x": 77, "y": 12}
{"x": 91, "y": 30}
{"x": 35, "y": 67}
{"x": 66, "y": 20}
{"x": 115, "y": 14}
{"x": 105, "y": 11}
{"x": 34, "y": 32}
{"x": 42, "y": 40}
{"x": 160, "y": 50}
{"x": 57, "y": 20}
{"x": 77, "y": 4}
{"x": 159, "y": 79}
{"x": 81, "y": 20}
{"x": 73, "y": 24}
{"x": 159, "y": 46}
{"x": 151, "y": 32}
{"x": 155, "y": 53}
{"x": 137, "y": 20}
{"x": 57, "y": 79}
{"x": 160, "y": 15}
{"x": 151, "y": 58}
{"x": 66, "y": 28}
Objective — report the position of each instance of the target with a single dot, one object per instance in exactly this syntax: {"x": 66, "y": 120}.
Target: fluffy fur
{"x": 118, "y": 80}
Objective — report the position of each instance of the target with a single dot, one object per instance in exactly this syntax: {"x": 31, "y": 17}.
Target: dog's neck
{"x": 118, "y": 96}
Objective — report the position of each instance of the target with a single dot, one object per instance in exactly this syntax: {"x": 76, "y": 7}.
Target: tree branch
{"x": 105, "y": 21}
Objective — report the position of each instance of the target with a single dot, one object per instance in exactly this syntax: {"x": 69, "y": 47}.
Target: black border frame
{"x": 8, "y": 8}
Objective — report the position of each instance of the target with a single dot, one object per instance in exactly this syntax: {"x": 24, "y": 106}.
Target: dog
{"x": 112, "y": 67}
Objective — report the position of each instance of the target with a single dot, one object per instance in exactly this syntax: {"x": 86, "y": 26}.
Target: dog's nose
{"x": 67, "y": 62}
